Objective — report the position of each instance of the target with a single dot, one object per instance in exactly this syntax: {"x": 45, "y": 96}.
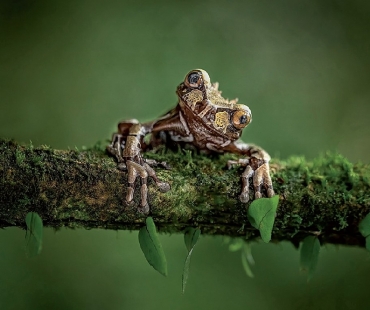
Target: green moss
{"x": 329, "y": 180}
{"x": 328, "y": 193}
{"x": 20, "y": 157}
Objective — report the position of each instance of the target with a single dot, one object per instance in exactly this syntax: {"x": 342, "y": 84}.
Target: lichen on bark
{"x": 82, "y": 188}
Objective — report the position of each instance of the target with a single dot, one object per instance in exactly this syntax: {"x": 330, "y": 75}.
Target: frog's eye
{"x": 194, "y": 79}
{"x": 241, "y": 118}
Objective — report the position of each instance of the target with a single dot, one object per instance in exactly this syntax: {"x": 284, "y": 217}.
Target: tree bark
{"x": 327, "y": 196}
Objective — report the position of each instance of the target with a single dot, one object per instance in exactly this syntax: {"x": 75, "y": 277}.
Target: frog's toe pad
{"x": 244, "y": 197}
{"x": 129, "y": 203}
{"x": 164, "y": 187}
{"x": 121, "y": 166}
{"x": 143, "y": 209}
{"x": 270, "y": 192}
{"x": 257, "y": 195}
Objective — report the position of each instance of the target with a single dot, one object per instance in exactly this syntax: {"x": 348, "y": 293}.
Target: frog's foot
{"x": 134, "y": 170}
{"x": 261, "y": 177}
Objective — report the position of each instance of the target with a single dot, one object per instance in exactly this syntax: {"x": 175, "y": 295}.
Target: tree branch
{"x": 328, "y": 196}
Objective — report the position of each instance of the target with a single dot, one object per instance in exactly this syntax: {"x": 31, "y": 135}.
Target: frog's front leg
{"x": 257, "y": 167}
{"x": 126, "y": 146}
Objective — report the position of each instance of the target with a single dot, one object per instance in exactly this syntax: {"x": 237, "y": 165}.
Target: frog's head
{"x": 226, "y": 116}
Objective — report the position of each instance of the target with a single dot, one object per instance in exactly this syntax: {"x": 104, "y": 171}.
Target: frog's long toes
{"x": 163, "y": 187}
{"x": 130, "y": 195}
{"x": 244, "y": 197}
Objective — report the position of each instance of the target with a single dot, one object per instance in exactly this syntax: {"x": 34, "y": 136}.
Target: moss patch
{"x": 84, "y": 188}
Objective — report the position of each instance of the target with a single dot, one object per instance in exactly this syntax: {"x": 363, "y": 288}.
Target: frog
{"x": 202, "y": 119}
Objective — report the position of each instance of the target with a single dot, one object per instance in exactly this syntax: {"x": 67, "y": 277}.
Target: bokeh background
{"x": 70, "y": 70}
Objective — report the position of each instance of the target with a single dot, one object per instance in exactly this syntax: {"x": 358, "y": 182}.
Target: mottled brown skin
{"x": 203, "y": 119}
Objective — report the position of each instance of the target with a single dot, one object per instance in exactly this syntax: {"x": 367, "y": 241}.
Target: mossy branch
{"x": 327, "y": 196}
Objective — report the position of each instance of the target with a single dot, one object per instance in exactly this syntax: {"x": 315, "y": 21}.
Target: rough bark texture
{"x": 328, "y": 196}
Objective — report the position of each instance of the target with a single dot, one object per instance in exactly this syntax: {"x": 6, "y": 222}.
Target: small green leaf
{"x": 247, "y": 259}
{"x": 185, "y": 273}
{"x": 151, "y": 247}
{"x": 191, "y": 237}
{"x": 261, "y": 214}
{"x": 246, "y": 267}
{"x": 368, "y": 243}
{"x": 247, "y": 250}
{"x": 236, "y": 244}
{"x": 33, "y": 234}
{"x": 364, "y": 226}
{"x": 309, "y": 255}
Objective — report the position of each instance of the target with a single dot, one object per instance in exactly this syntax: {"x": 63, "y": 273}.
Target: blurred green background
{"x": 70, "y": 70}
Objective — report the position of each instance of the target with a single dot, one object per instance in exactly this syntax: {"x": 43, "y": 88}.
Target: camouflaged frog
{"x": 202, "y": 118}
